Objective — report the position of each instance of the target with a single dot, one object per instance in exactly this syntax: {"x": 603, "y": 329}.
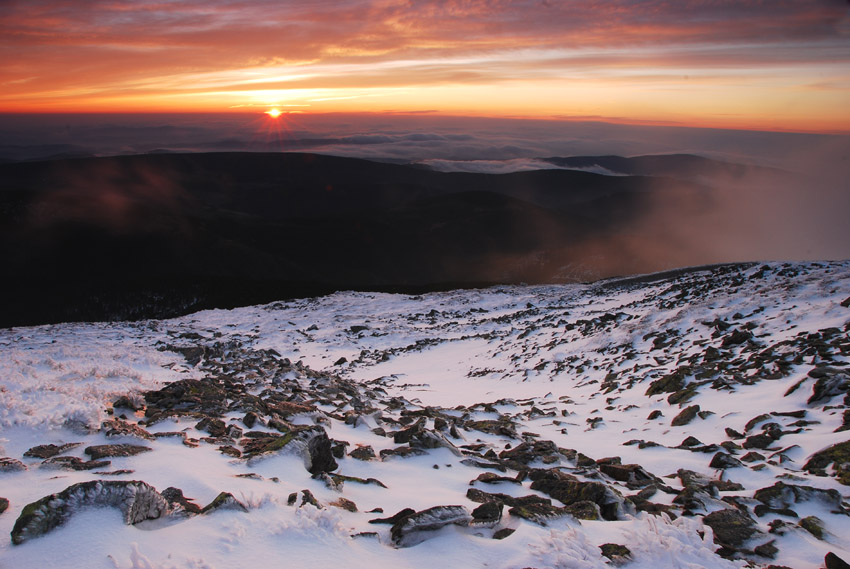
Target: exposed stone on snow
{"x": 50, "y": 450}
{"x": 97, "y": 452}
{"x": 137, "y": 501}
{"x": 406, "y": 531}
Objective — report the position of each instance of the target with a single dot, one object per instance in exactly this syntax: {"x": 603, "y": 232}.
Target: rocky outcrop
{"x": 137, "y": 501}
{"x": 407, "y": 530}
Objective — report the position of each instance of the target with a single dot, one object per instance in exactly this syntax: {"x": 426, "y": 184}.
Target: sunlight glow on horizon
{"x": 732, "y": 66}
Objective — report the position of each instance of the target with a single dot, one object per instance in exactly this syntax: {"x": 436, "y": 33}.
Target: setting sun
{"x": 274, "y": 113}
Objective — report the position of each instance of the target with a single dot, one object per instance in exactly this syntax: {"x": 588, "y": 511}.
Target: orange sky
{"x": 773, "y": 65}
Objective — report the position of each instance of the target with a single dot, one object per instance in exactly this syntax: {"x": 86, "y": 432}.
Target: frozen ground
{"x": 463, "y": 380}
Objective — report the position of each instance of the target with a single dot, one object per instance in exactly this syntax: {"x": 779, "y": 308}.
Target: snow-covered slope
{"x": 685, "y": 412}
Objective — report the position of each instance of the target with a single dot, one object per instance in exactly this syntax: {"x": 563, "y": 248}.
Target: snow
{"x": 517, "y": 347}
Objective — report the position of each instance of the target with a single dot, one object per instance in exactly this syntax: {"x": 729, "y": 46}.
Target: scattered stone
{"x": 831, "y": 382}
{"x": 618, "y": 554}
{"x": 722, "y": 460}
{"x": 74, "y": 463}
{"x": 832, "y": 561}
{"x": 9, "y": 464}
{"x": 178, "y": 503}
{"x": 344, "y": 504}
{"x": 539, "y": 513}
{"x": 213, "y": 426}
{"x": 487, "y": 514}
{"x": 568, "y": 490}
{"x": 655, "y": 414}
{"x": 813, "y": 525}
{"x": 503, "y": 533}
{"x": 732, "y": 528}
{"x": 119, "y": 428}
{"x": 224, "y": 501}
{"x": 392, "y": 520}
{"x": 137, "y": 501}
{"x": 686, "y": 416}
{"x": 782, "y": 495}
{"x": 4, "y": 505}
{"x": 113, "y": 451}
{"x": 49, "y": 451}
{"x": 405, "y": 531}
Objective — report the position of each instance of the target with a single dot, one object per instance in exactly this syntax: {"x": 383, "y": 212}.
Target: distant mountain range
{"x": 158, "y": 235}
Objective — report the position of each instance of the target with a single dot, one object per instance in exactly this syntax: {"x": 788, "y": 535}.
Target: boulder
{"x": 137, "y": 501}
{"x": 406, "y": 530}
{"x": 105, "y": 451}
{"x": 50, "y": 450}
{"x": 731, "y": 527}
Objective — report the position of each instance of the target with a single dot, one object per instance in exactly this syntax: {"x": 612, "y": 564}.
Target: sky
{"x": 780, "y": 65}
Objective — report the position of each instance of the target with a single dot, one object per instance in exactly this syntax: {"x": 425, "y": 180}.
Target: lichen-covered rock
{"x": 569, "y": 490}
{"x": 618, "y": 554}
{"x": 224, "y": 501}
{"x": 405, "y": 531}
{"x": 687, "y": 415}
{"x": 137, "y": 501}
{"x": 538, "y": 513}
{"x": 838, "y": 455}
{"x": 731, "y": 527}
{"x": 9, "y": 464}
{"x": 50, "y": 450}
{"x": 813, "y": 525}
{"x": 782, "y": 495}
{"x": 97, "y": 452}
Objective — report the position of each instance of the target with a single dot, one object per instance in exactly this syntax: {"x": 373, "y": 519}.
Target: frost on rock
{"x": 404, "y": 530}
{"x": 138, "y": 501}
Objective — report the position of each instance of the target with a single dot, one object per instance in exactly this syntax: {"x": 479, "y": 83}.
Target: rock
{"x": 568, "y": 490}
{"x": 403, "y": 452}
{"x": 320, "y": 453}
{"x": 831, "y": 382}
{"x": 104, "y": 451}
{"x": 538, "y": 513}
{"x": 669, "y": 383}
{"x": 404, "y": 531}
{"x": 503, "y": 533}
{"x": 392, "y": 520}
{"x": 584, "y": 510}
{"x": 487, "y": 514}
{"x": 125, "y": 402}
{"x": 722, "y": 460}
{"x": 655, "y": 414}
{"x": 832, "y": 561}
{"x": 137, "y": 501}
{"x": 733, "y": 434}
{"x": 768, "y": 549}
{"x": 492, "y": 478}
{"x": 344, "y": 504}
{"x": 731, "y": 527}
{"x": 838, "y": 455}
{"x": 760, "y": 441}
{"x": 4, "y": 505}
{"x": 686, "y": 416}
{"x": 178, "y": 504}
{"x": 49, "y": 451}
{"x": 813, "y": 525}
{"x": 120, "y": 428}
{"x": 9, "y": 464}
{"x": 736, "y": 337}
{"x": 186, "y": 396}
{"x": 782, "y": 495}
{"x": 634, "y": 475}
{"x": 525, "y": 453}
{"x": 618, "y": 554}
{"x": 476, "y": 495}
{"x": 74, "y": 463}
{"x": 224, "y": 501}
{"x": 213, "y": 426}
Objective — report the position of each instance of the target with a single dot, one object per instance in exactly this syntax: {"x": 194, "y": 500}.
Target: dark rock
{"x": 832, "y": 561}
{"x": 340, "y": 361}
{"x": 618, "y": 554}
{"x": 213, "y": 426}
{"x": 732, "y": 528}
{"x": 569, "y": 490}
{"x": 403, "y": 452}
{"x": 503, "y": 533}
{"x": 722, "y": 460}
{"x": 250, "y": 419}
{"x": 392, "y": 520}
{"x": 634, "y": 475}
{"x": 759, "y": 441}
{"x": 584, "y": 510}
{"x": 186, "y": 395}
{"x": 74, "y": 463}
{"x": 125, "y": 402}
{"x": 4, "y": 505}
{"x": 690, "y": 442}
{"x": 9, "y": 464}
{"x": 476, "y": 495}
{"x": 344, "y": 504}
{"x": 768, "y": 549}
{"x": 838, "y": 455}
{"x": 755, "y": 421}
{"x": 491, "y": 478}
{"x": 539, "y": 513}
{"x": 363, "y": 453}
{"x": 669, "y": 383}
{"x": 752, "y": 456}
{"x": 308, "y": 498}
{"x": 686, "y": 416}
{"x": 655, "y": 414}
{"x": 178, "y": 503}
{"x": 136, "y": 500}
{"x": 736, "y": 338}
{"x": 49, "y": 451}
{"x": 782, "y": 495}
{"x": 105, "y": 451}
{"x": 487, "y": 514}
{"x": 119, "y": 428}
{"x": 320, "y": 453}
{"x": 404, "y": 531}
{"x": 813, "y": 525}
{"x": 733, "y": 434}
{"x": 224, "y": 501}
{"x": 831, "y": 382}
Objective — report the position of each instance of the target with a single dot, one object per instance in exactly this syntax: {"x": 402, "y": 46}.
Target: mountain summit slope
{"x": 693, "y": 418}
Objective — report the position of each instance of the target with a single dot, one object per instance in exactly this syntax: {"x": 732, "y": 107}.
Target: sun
{"x": 274, "y": 113}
